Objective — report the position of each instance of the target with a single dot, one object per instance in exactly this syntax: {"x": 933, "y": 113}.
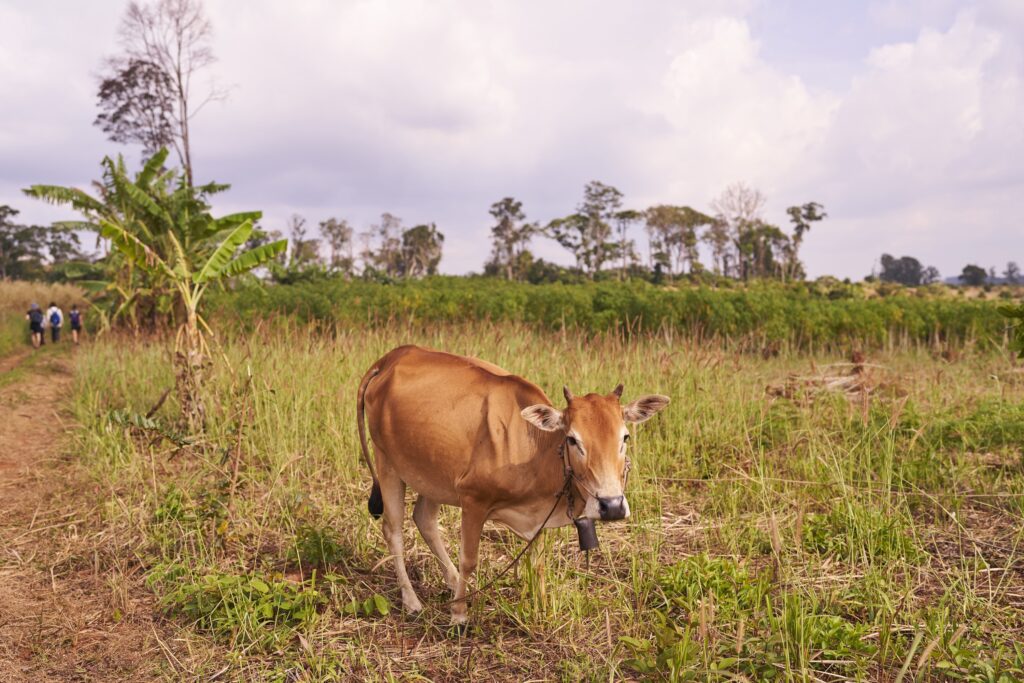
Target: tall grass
{"x": 818, "y": 537}
{"x": 15, "y": 299}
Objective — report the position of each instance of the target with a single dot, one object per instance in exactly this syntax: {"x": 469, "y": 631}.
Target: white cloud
{"x": 433, "y": 110}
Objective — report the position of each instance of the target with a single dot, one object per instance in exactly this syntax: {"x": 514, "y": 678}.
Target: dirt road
{"x": 69, "y": 609}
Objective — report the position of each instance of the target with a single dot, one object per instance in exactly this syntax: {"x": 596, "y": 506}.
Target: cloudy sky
{"x": 904, "y": 118}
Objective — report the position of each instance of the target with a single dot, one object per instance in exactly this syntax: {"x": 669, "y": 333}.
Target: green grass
{"x": 821, "y": 537}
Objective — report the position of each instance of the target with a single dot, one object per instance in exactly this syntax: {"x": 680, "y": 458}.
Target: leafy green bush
{"x": 803, "y": 315}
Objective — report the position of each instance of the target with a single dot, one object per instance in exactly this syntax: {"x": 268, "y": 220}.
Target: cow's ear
{"x": 543, "y": 417}
{"x": 644, "y": 408}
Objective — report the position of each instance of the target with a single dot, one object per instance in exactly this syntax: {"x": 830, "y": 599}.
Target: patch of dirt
{"x": 66, "y": 612}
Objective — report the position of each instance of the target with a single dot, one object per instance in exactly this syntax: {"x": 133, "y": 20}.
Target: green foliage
{"x": 375, "y": 605}
{"x": 717, "y": 621}
{"x": 169, "y": 246}
{"x": 245, "y": 609}
{"x": 803, "y": 316}
{"x": 317, "y": 547}
{"x": 989, "y": 425}
{"x": 860, "y": 533}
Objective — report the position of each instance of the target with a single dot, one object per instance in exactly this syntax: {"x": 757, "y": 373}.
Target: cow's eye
{"x": 572, "y": 441}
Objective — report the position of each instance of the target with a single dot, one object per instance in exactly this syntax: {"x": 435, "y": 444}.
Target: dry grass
{"x": 15, "y": 296}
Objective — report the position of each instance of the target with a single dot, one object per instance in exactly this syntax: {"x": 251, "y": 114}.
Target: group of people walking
{"x": 53, "y": 317}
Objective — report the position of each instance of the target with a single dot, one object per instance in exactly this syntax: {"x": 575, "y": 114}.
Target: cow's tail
{"x": 376, "y": 502}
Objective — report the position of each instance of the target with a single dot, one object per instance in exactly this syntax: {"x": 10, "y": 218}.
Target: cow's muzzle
{"x": 611, "y": 508}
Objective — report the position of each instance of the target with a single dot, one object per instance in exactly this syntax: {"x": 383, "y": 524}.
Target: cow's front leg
{"x": 473, "y": 518}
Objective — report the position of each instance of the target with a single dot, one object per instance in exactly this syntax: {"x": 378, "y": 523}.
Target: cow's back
{"x": 439, "y": 420}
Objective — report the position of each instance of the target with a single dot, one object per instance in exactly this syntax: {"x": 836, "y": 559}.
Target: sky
{"x": 905, "y": 119}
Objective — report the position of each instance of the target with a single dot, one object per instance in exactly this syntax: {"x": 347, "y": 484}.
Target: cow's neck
{"x": 551, "y": 473}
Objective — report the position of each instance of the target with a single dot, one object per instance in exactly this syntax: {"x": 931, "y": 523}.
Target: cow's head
{"x": 596, "y": 438}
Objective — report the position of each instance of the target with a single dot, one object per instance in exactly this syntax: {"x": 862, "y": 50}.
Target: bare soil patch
{"x": 66, "y": 612}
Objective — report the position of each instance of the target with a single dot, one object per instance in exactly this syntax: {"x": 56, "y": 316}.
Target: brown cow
{"x": 461, "y": 431}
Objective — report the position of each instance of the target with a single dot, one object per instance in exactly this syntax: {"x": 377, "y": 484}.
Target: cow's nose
{"x": 612, "y": 508}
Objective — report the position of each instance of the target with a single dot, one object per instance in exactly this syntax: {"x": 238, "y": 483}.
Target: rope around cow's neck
{"x": 566, "y": 489}
{"x": 519, "y": 556}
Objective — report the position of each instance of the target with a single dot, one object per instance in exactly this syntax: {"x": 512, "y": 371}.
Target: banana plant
{"x": 161, "y": 228}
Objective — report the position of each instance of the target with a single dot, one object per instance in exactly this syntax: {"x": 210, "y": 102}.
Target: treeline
{"x": 600, "y": 234}
{"x": 805, "y": 316}
{"x": 51, "y": 253}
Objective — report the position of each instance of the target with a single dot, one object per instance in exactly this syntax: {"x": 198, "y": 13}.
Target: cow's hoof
{"x": 412, "y": 604}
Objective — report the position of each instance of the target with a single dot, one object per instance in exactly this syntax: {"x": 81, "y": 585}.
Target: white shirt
{"x": 50, "y": 311}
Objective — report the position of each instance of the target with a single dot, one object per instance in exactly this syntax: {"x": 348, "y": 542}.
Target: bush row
{"x": 800, "y": 316}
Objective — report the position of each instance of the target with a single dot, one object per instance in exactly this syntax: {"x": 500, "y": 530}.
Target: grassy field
{"x": 793, "y": 519}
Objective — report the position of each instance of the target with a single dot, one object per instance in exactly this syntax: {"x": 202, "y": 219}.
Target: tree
{"x": 160, "y": 225}
{"x": 33, "y": 251}
{"x": 627, "y": 247}
{"x": 973, "y": 276}
{"x": 305, "y": 252}
{"x": 801, "y": 217}
{"x": 421, "y": 251}
{"x": 673, "y": 234}
{"x": 338, "y": 234}
{"x": 738, "y": 211}
{"x": 1012, "y": 273}
{"x": 136, "y": 105}
{"x": 930, "y": 275}
{"x": 586, "y": 233}
{"x": 148, "y": 95}
{"x": 387, "y": 258}
{"x": 20, "y": 246}
{"x": 716, "y": 235}
{"x": 763, "y": 250}
{"x": 906, "y": 270}
{"x": 509, "y": 237}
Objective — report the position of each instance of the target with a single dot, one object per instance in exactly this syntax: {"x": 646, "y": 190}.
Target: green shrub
{"x": 802, "y": 315}
{"x": 245, "y": 609}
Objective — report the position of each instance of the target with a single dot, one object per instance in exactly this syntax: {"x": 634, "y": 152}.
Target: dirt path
{"x": 68, "y": 612}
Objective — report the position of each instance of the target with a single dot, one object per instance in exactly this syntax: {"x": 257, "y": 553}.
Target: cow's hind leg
{"x": 425, "y": 514}
{"x": 392, "y": 490}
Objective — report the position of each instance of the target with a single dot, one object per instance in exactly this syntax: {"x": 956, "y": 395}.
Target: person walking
{"x": 75, "y": 317}
{"x": 55, "y": 317}
{"x": 35, "y": 325}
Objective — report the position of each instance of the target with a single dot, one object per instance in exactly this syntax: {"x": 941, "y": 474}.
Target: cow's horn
{"x": 618, "y": 390}
{"x": 567, "y": 394}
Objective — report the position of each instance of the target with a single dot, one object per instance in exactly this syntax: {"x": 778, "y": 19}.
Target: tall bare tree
{"x": 149, "y": 94}
{"x": 738, "y": 210}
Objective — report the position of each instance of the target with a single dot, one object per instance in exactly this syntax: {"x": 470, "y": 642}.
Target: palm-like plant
{"x": 169, "y": 246}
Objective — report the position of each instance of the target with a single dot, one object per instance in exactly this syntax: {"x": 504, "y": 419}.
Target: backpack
{"x": 35, "y": 316}
{"x": 76, "y": 318}
{"x": 55, "y": 319}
